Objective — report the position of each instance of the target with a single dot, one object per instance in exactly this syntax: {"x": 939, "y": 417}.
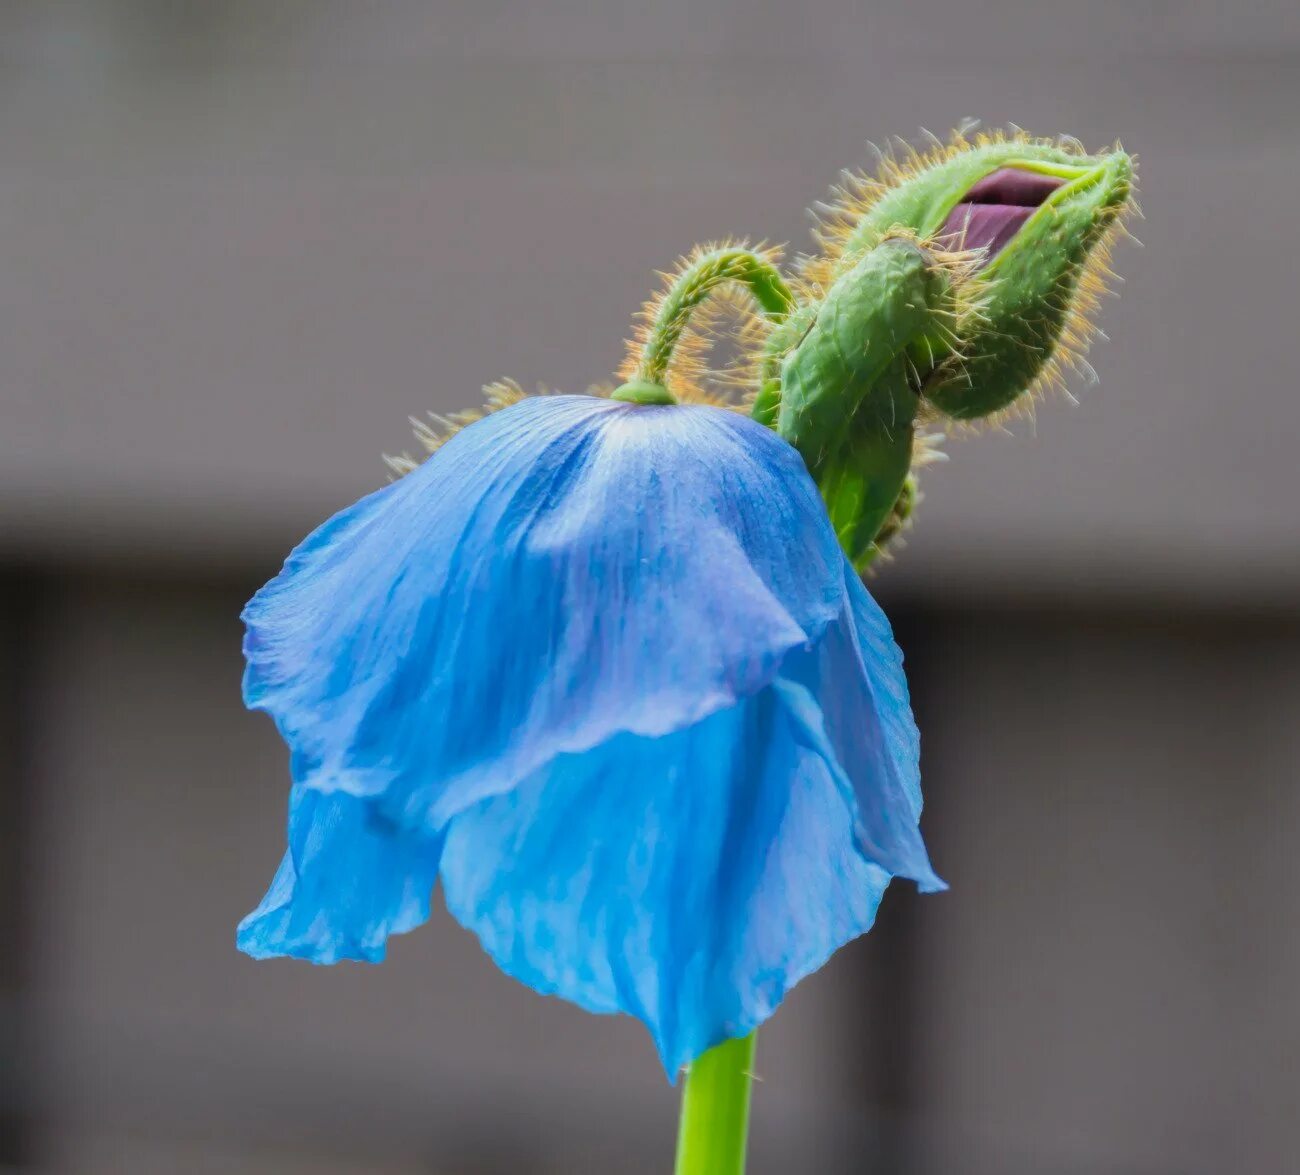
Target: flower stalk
{"x": 701, "y": 275}
{"x": 714, "y": 1126}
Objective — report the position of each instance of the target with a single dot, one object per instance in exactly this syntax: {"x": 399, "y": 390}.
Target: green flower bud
{"x": 848, "y": 379}
{"x": 845, "y": 342}
{"x": 1040, "y": 215}
{"x": 955, "y": 284}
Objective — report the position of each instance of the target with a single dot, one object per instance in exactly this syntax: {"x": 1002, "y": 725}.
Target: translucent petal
{"x": 689, "y": 880}
{"x": 559, "y": 572}
{"x": 607, "y": 664}
{"x": 346, "y": 883}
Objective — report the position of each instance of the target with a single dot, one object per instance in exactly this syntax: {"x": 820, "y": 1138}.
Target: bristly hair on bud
{"x": 1042, "y": 213}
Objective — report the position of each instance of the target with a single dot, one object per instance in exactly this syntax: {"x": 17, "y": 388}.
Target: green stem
{"x": 715, "y": 1110}
{"x": 695, "y": 283}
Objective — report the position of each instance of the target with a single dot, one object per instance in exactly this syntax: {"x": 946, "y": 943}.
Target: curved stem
{"x": 695, "y": 283}
{"x": 715, "y": 1110}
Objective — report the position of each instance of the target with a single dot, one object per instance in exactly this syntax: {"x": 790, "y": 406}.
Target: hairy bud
{"x": 954, "y": 284}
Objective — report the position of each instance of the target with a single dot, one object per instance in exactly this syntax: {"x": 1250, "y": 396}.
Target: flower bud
{"x": 1038, "y": 214}
{"x": 849, "y": 383}
{"x": 953, "y": 285}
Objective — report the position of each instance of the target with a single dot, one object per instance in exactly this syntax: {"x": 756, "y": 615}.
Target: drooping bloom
{"x": 602, "y": 670}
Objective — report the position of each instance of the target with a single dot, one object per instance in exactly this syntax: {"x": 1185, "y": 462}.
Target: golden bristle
{"x": 435, "y": 429}
{"x": 743, "y": 376}
{"x": 927, "y": 449}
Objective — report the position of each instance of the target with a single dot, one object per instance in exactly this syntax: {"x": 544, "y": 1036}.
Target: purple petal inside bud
{"x": 1010, "y": 185}
{"x": 983, "y": 226}
{"x": 993, "y": 211}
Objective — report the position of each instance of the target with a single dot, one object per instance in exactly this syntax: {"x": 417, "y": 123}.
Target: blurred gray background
{"x": 241, "y": 241}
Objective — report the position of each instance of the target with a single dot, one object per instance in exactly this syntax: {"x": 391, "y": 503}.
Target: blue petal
{"x": 346, "y": 883}
{"x": 689, "y": 880}
{"x": 865, "y": 727}
{"x": 559, "y": 572}
{"x": 614, "y": 656}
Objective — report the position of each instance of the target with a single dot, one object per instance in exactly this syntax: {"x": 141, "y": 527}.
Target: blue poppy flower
{"x": 604, "y": 671}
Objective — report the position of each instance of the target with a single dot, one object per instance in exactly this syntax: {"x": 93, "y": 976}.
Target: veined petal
{"x": 689, "y": 880}
{"x": 346, "y": 883}
{"x": 566, "y": 569}
{"x": 604, "y": 668}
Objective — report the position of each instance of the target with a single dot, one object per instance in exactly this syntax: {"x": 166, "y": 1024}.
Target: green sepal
{"x": 893, "y": 296}
{"x": 866, "y": 476}
{"x": 847, "y": 394}
{"x": 1030, "y": 291}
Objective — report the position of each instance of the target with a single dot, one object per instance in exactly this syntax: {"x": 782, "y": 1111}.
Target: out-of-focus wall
{"x": 240, "y": 242}
{"x": 1112, "y": 985}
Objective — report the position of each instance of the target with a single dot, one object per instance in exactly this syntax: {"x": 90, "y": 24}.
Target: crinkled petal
{"x": 346, "y": 883}
{"x": 608, "y": 665}
{"x": 561, "y": 571}
{"x": 688, "y": 880}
